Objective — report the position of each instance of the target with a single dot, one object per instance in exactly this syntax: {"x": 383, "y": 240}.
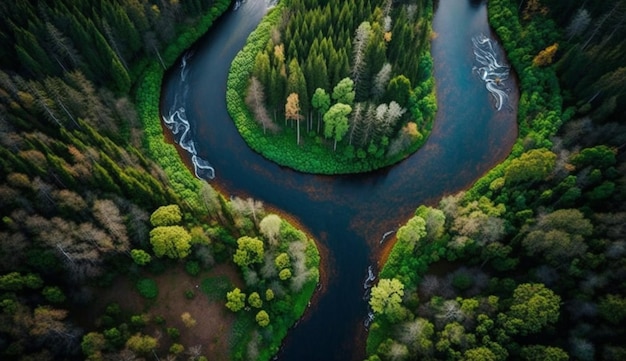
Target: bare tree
{"x": 255, "y": 100}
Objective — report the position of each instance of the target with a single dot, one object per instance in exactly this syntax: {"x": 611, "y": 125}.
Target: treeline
{"x": 529, "y": 262}
{"x": 356, "y": 73}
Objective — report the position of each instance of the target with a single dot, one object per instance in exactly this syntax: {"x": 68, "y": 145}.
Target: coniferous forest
{"x": 346, "y": 86}
{"x": 529, "y": 263}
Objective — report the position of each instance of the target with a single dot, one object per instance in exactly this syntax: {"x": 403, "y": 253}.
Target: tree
{"x": 543, "y": 353}
{"x": 187, "y": 319}
{"x": 579, "y": 23}
{"x": 320, "y": 102}
{"x": 534, "y": 306}
{"x": 544, "y": 58}
{"x": 343, "y": 92}
{"x": 386, "y": 299}
{"x": 381, "y": 80}
{"x": 479, "y": 354}
{"x": 140, "y": 256}
{"x": 282, "y": 261}
{"x": 532, "y": 166}
{"x": 613, "y": 308}
{"x": 236, "y": 300}
{"x": 166, "y": 216}
{"x": 92, "y": 345}
{"x": 254, "y": 300}
{"x": 142, "y": 344}
{"x": 170, "y": 241}
{"x": 262, "y": 318}
{"x": 412, "y": 232}
{"x": 360, "y": 43}
{"x": 249, "y": 251}
{"x": 336, "y": 122}
{"x": 292, "y": 111}
{"x": 255, "y": 100}
{"x": 284, "y": 274}
{"x": 559, "y": 236}
{"x": 399, "y": 90}
{"x": 270, "y": 228}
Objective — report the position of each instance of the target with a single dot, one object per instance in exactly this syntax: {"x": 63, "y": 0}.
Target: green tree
{"x": 255, "y": 300}
{"x": 284, "y": 274}
{"x": 166, "y": 216}
{"x": 336, "y": 122}
{"x": 543, "y": 353}
{"x": 92, "y": 345}
{"x": 535, "y": 306}
{"x": 249, "y": 250}
{"x": 282, "y": 261}
{"x": 479, "y": 354}
{"x": 532, "y": 166}
{"x": 236, "y": 300}
{"x": 170, "y": 241}
{"x": 399, "y": 90}
{"x": 559, "y": 236}
{"x": 343, "y": 92}
{"x": 140, "y": 256}
{"x": 262, "y": 318}
{"x": 321, "y": 103}
{"x": 613, "y": 308}
{"x": 386, "y": 299}
{"x": 142, "y": 344}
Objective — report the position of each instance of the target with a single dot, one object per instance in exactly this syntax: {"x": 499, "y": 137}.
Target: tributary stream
{"x": 348, "y": 215}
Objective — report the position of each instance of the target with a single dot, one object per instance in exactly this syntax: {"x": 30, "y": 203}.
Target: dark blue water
{"x": 349, "y": 214}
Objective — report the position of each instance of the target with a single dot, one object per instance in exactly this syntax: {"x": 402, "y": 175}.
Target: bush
{"x": 192, "y": 268}
{"x": 148, "y": 288}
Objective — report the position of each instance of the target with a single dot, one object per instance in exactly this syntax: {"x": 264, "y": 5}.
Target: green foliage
{"x": 173, "y": 333}
{"x": 166, "y": 216}
{"x": 612, "y": 308}
{"x": 140, "y": 256}
{"x": 53, "y": 294}
{"x": 249, "y": 251}
{"x": 148, "y": 288}
{"x": 386, "y": 299}
{"x": 170, "y": 241}
{"x": 192, "y": 268}
{"x": 531, "y": 167}
{"x": 255, "y": 300}
{"x": 236, "y": 300}
{"x": 535, "y": 306}
{"x": 262, "y": 318}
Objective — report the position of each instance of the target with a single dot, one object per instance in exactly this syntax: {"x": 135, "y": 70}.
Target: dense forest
{"x": 84, "y": 204}
{"x": 529, "y": 263}
{"x": 357, "y": 75}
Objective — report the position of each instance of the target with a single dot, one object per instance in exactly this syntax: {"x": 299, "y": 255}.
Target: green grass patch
{"x": 216, "y": 287}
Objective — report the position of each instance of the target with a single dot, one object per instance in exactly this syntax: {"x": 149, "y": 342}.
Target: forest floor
{"x": 213, "y": 320}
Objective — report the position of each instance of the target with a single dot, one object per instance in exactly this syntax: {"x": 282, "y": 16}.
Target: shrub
{"x": 192, "y": 268}
{"x": 148, "y": 288}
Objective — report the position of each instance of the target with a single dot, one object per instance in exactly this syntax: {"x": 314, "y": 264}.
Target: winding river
{"x": 348, "y": 214}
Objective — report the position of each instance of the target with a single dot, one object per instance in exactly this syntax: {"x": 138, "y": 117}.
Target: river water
{"x": 348, "y": 214}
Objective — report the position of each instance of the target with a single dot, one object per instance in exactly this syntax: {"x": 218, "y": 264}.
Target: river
{"x": 348, "y": 214}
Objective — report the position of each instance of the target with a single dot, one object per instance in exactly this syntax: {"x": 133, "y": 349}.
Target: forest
{"x": 528, "y": 263}
{"x": 353, "y": 78}
{"x": 92, "y": 197}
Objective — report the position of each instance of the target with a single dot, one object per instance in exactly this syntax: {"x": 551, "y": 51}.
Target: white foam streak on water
{"x": 491, "y": 71}
{"x": 176, "y": 121}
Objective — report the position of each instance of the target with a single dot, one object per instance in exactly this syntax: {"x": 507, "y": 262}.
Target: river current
{"x": 351, "y": 216}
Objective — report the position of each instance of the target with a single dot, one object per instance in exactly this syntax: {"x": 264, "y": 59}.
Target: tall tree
{"x": 292, "y": 111}
{"x": 336, "y": 122}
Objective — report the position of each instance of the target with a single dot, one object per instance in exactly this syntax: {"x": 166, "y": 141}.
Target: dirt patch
{"x": 213, "y": 321}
